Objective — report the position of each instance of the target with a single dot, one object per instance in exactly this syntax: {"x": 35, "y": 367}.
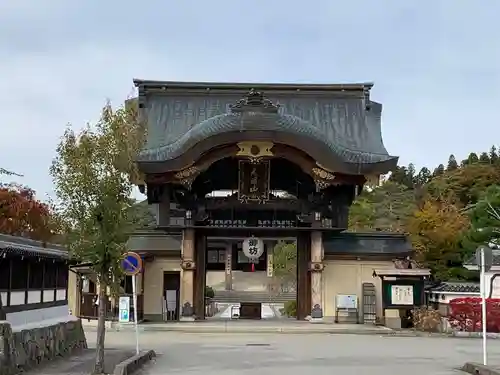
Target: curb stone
{"x": 479, "y": 369}
{"x": 134, "y": 363}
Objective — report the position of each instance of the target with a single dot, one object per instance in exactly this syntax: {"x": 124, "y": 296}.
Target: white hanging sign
{"x": 253, "y": 248}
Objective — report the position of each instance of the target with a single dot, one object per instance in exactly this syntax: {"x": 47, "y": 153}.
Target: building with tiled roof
{"x": 439, "y": 295}
{"x": 33, "y": 280}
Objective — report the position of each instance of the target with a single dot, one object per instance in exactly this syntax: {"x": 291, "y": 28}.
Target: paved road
{"x": 291, "y": 354}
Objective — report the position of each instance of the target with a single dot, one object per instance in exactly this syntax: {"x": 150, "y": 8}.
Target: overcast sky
{"x": 435, "y": 64}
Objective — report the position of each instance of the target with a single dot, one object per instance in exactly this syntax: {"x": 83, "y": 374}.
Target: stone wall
{"x": 23, "y": 349}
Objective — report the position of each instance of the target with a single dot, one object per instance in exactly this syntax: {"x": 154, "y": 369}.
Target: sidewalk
{"x": 271, "y": 326}
{"x": 83, "y": 363}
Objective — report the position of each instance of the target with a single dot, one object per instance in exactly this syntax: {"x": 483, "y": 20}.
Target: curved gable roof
{"x": 352, "y": 144}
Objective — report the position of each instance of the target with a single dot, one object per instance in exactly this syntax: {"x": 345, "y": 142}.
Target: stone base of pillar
{"x": 316, "y": 314}
{"x": 316, "y": 320}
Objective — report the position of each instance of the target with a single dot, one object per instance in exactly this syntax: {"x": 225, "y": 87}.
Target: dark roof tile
{"x": 28, "y": 247}
{"x": 454, "y": 287}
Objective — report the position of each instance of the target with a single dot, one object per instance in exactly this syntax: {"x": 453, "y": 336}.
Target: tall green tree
{"x": 398, "y": 175}
{"x": 485, "y": 221}
{"x": 439, "y": 171}
{"x": 472, "y": 158}
{"x": 493, "y": 155}
{"x": 386, "y": 208}
{"x": 423, "y": 176}
{"x": 92, "y": 173}
{"x": 484, "y": 158}
{"x": 285, "y": 264}
{"x": 405, "y": 176}
{"x": 452, "y": 163}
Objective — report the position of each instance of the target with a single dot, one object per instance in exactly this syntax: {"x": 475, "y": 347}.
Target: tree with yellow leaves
{"x": 435, "y": 230}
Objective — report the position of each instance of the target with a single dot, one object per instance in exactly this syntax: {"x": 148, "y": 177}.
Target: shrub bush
{"x": 426, "y": 319}
{"x": 465, "y": 314}
{"x": 290, "y": 308}
{"x": 209, "y": 292}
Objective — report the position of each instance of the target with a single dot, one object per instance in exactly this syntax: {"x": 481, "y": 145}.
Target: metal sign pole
{"x": 134, "y": 296}
{"x": 483, "y": 307}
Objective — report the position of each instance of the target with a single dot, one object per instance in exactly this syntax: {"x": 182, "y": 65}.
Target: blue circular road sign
{"x": 132, "y": 263}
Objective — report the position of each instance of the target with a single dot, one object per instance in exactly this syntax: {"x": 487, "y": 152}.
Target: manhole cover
{"x": 258, "y": 344}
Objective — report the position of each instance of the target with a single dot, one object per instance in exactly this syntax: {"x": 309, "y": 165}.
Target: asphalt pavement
{"x": 271, "y": 353}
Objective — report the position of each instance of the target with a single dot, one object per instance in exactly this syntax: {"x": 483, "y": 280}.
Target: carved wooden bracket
{"x": 322, "y": 178}
{"x": 188, "y": 265}
{"x": 254, "y": 101}
{"x": 316, "y": 266}
{"x": 186, "y": 176}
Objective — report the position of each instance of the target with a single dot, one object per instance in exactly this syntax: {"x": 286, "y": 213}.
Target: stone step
{"x": 263, "y": 297}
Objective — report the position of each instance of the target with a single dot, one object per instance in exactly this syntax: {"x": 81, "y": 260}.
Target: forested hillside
{"x": 446, "y": 210}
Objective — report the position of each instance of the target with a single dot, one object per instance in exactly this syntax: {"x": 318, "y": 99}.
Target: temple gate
{"x": 236, "y": 161}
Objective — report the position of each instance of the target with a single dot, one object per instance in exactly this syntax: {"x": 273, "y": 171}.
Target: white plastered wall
{"x": 153, "y": 283}
{"x": 347, "y": 277}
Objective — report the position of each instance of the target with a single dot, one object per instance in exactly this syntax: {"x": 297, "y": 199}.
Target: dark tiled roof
{"x": 340, "y": 125}
{"x": 454, "y": 287}
{"x": 496, "y": 259}
{"x": 28, "y": 247}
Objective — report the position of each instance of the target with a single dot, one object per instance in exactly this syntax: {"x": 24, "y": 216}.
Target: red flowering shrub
{"x": 465, "y": 314}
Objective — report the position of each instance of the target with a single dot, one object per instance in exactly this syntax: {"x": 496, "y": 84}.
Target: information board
{"x": 402, "y": 295}
{"x": 346, "y": 301}
{"x": 124, "y": 310}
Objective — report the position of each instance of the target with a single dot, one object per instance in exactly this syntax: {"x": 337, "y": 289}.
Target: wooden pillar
{"x": 187, "y": 273}
{"x": 163, "y": 214}
{"x": 200, "y": 276}
{"x": 316, "y": 270}
{"x": 303, "y": 276}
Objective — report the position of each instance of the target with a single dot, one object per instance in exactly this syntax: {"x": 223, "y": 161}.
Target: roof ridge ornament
{"x": 254, "y": 101}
